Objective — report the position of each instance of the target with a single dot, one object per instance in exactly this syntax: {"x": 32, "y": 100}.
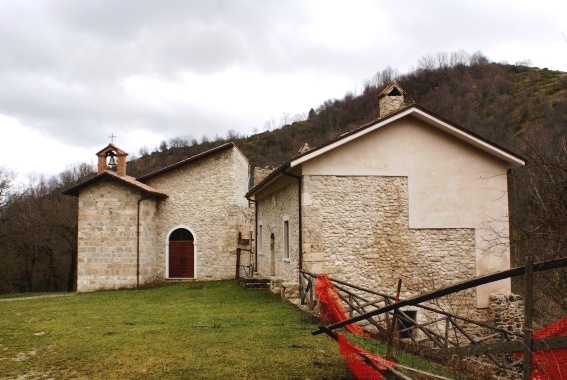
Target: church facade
{"x": 179, "y": 222}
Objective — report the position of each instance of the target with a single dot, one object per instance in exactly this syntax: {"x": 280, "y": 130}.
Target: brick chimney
{"x": 112, "y": 158}
{"x": 391, "y": 99}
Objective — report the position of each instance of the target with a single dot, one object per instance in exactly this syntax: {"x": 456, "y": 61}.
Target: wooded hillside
{"x": 518, "y": 107}
{"x": 508, "y": 104}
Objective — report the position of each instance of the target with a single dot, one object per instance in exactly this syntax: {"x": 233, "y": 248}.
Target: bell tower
{"x": 112, "y": 158}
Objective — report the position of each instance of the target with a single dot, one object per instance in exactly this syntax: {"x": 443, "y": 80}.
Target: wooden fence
{"x": 459, "y": 335}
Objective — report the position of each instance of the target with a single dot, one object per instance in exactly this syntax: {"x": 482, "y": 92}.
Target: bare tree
{"x": 299, "y": 117}
{"x": 6, "y": 179}
{"x": 477, "y": 58}
{"x": 38, "y": 235}
{"x": 285, "y": 119}
{"x": 540, "y": 224}
{"x": 232, "y": 134}
{"x": 144, "y": 151}
{"x": 442, "y": 59}
{"x": 459, "y": 58}
{"x": 426, "y": 63}
{"x": 270, "y": 125}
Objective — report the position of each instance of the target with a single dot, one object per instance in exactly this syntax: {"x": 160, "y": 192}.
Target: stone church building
{"x": 409, "y": 195}
{"x": 179, "y": 222}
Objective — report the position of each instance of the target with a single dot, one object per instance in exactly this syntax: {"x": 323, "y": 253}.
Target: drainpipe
{"x": 251, "y": 185}
{"x": 255, "y": 233}
{"x": 300, "y": 238}
{"x": 138, "y": 242}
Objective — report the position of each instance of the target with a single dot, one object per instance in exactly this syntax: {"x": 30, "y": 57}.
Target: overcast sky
{"x": 73, "y": 71}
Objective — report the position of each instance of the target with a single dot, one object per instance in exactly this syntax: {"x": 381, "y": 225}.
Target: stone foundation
{"x": 507, "y": 311}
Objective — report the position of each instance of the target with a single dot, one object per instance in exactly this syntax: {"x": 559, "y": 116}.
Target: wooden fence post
{"x": 238, "y": 253}
{"x": 392, "y": 332}
{"x": 528, "y": 307}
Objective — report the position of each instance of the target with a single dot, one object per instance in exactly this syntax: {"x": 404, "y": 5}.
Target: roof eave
{"x": 422, "y": 114}
{"x": 75, "y": 190}
{"x": 188, "y": 160}
{"x": 270, "y": 178}
{"x": 113, "y": 147}
{"x": 471, "y": 138}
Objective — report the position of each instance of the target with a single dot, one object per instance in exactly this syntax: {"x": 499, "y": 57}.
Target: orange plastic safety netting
{"x": 549, "y": 364}
{"x": 546, "y": 364}
{"x": 330, "y": 304}
{"x": 333, "y": 311}
{"x": 353, "y": 356}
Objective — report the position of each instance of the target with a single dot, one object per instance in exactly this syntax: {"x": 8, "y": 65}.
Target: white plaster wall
{"x": 450, "y": 185}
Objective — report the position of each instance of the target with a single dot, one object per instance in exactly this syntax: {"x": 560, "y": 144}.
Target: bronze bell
{"x": 111, "y": 160}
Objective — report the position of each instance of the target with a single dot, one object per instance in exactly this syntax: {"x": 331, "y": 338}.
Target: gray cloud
{"x": 64, "y": 63}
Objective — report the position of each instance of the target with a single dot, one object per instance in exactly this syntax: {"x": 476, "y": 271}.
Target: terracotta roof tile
{"x": 131, "y": 181}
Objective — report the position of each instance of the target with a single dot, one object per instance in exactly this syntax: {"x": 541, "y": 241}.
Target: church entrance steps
{"x": 254, "y": 283}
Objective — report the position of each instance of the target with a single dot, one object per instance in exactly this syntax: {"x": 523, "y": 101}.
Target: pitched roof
{"x": 390, "y": 87}
{"x": 411, "y": 110}
{"x": 113, "y": 147}
{"x": 136, "y": 182}
{"x": 130, "y": 181}
{"x": 186, "y": 161}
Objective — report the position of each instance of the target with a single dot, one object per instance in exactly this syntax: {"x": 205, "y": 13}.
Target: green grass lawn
{"x": 196, "y": 330}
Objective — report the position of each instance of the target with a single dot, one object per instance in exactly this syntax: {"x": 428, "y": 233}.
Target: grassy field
{"x": 197, "y": 330}
{"x": 191, "y": 330}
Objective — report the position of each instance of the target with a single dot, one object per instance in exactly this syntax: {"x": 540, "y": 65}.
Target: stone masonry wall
{"x": 357, "y": 229}
{"x": 271, "y": 213}
{"x": 150, "y": 268}
{"x": 508, "y": 312}
{"x": 107, "y": 236}
{"x": 243, "y": 219}
{"x": 389, "y": 104}
{"x": 207, "y": 197}
{"x": 261, "y": 173}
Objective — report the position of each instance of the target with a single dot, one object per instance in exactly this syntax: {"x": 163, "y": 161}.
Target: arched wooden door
{"x": 181, "y": 254}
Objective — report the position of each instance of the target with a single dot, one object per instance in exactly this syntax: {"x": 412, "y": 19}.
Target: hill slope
{"x": 504, "y": 103}
{"x": 518, "y": 107}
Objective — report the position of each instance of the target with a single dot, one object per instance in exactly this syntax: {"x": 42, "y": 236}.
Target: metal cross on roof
{"x": 112, "y": 137}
